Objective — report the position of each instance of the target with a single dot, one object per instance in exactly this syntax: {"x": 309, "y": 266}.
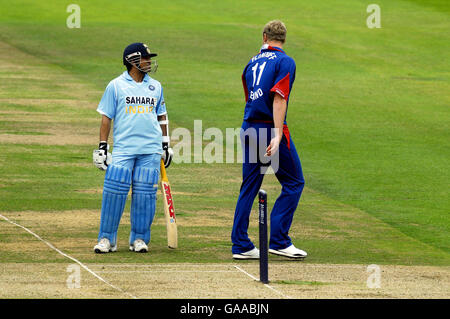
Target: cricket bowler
{"x": 267, "y": 81}
{"x": 134, "y": 102}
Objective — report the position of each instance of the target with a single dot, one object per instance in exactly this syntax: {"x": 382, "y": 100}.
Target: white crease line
{"x": 71, "y": 258}
{"x": 251, "y": 276}
{"x": 163, "y": 271}
{"x": 162, "y": 266}
{"x": 267, "y": 285}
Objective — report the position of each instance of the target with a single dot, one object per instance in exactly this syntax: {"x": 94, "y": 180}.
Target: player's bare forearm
{"x": 163, "y": 126}
{"x": 105, "y": 128}
{"x": 279, "y": 113}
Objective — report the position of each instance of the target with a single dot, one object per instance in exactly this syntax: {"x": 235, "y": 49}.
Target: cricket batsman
{"x": 134, "y": 102}
{"x": 267, "y": 81}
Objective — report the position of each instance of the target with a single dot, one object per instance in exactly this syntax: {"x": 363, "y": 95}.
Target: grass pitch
{"x": 368, "y": 113}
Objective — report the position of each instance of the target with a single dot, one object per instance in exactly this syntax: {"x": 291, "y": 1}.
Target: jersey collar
{"x": 271, "y": 48}
{"x": 129, "y": 78}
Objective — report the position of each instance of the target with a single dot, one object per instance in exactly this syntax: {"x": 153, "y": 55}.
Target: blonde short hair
{"x": 275, "y": 30}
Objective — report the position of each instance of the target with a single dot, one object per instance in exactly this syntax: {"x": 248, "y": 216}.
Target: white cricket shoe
{"x": 251, "y": 254}
{"x": 139, "y": 246}
{"x": 104, "y": 246}
{"x": 291, "y": 252}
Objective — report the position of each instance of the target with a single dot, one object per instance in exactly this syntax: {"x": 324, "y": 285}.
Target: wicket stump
{"x": 263, "y": 247}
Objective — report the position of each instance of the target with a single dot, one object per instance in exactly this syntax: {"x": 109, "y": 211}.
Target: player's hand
{"x": 167, "y": 154}
{"x": 273, "y": 146}
{"x": 101, "y": 157}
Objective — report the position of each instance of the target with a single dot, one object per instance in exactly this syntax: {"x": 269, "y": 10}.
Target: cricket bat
{"x": 169, "y": 211}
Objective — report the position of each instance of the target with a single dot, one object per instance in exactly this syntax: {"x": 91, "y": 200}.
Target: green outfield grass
{"x": 369, "y": 114}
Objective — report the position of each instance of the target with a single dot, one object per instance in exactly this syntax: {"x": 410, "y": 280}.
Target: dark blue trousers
{"x": 255, "y": 137}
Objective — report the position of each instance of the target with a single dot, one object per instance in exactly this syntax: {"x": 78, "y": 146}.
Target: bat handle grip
{"x": 163, "y": 171}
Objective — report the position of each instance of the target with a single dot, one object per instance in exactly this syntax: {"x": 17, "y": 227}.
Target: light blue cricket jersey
{"x": 134, "y": 107}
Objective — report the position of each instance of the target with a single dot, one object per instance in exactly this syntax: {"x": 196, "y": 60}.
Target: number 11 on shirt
{"x": 254, "y": 69}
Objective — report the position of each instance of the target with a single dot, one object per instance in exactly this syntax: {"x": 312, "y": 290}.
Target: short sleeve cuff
{"x": 105, "y": 114}
{"x": 282, "y": 87}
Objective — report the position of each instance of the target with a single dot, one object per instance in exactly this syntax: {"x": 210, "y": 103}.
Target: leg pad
{"x": 143, "y": 202}
{"x": 115, "y": 191}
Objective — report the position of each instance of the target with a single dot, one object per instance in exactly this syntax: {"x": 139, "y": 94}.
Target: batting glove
{"x": 167, "y": 154}
{"x": 101, "y": 157}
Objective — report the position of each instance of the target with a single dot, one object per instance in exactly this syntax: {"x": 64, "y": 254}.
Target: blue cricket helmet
{"x": 137, "y": 48}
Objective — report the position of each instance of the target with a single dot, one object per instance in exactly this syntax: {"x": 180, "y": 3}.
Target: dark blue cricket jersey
{"x": 269, "y": 72}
